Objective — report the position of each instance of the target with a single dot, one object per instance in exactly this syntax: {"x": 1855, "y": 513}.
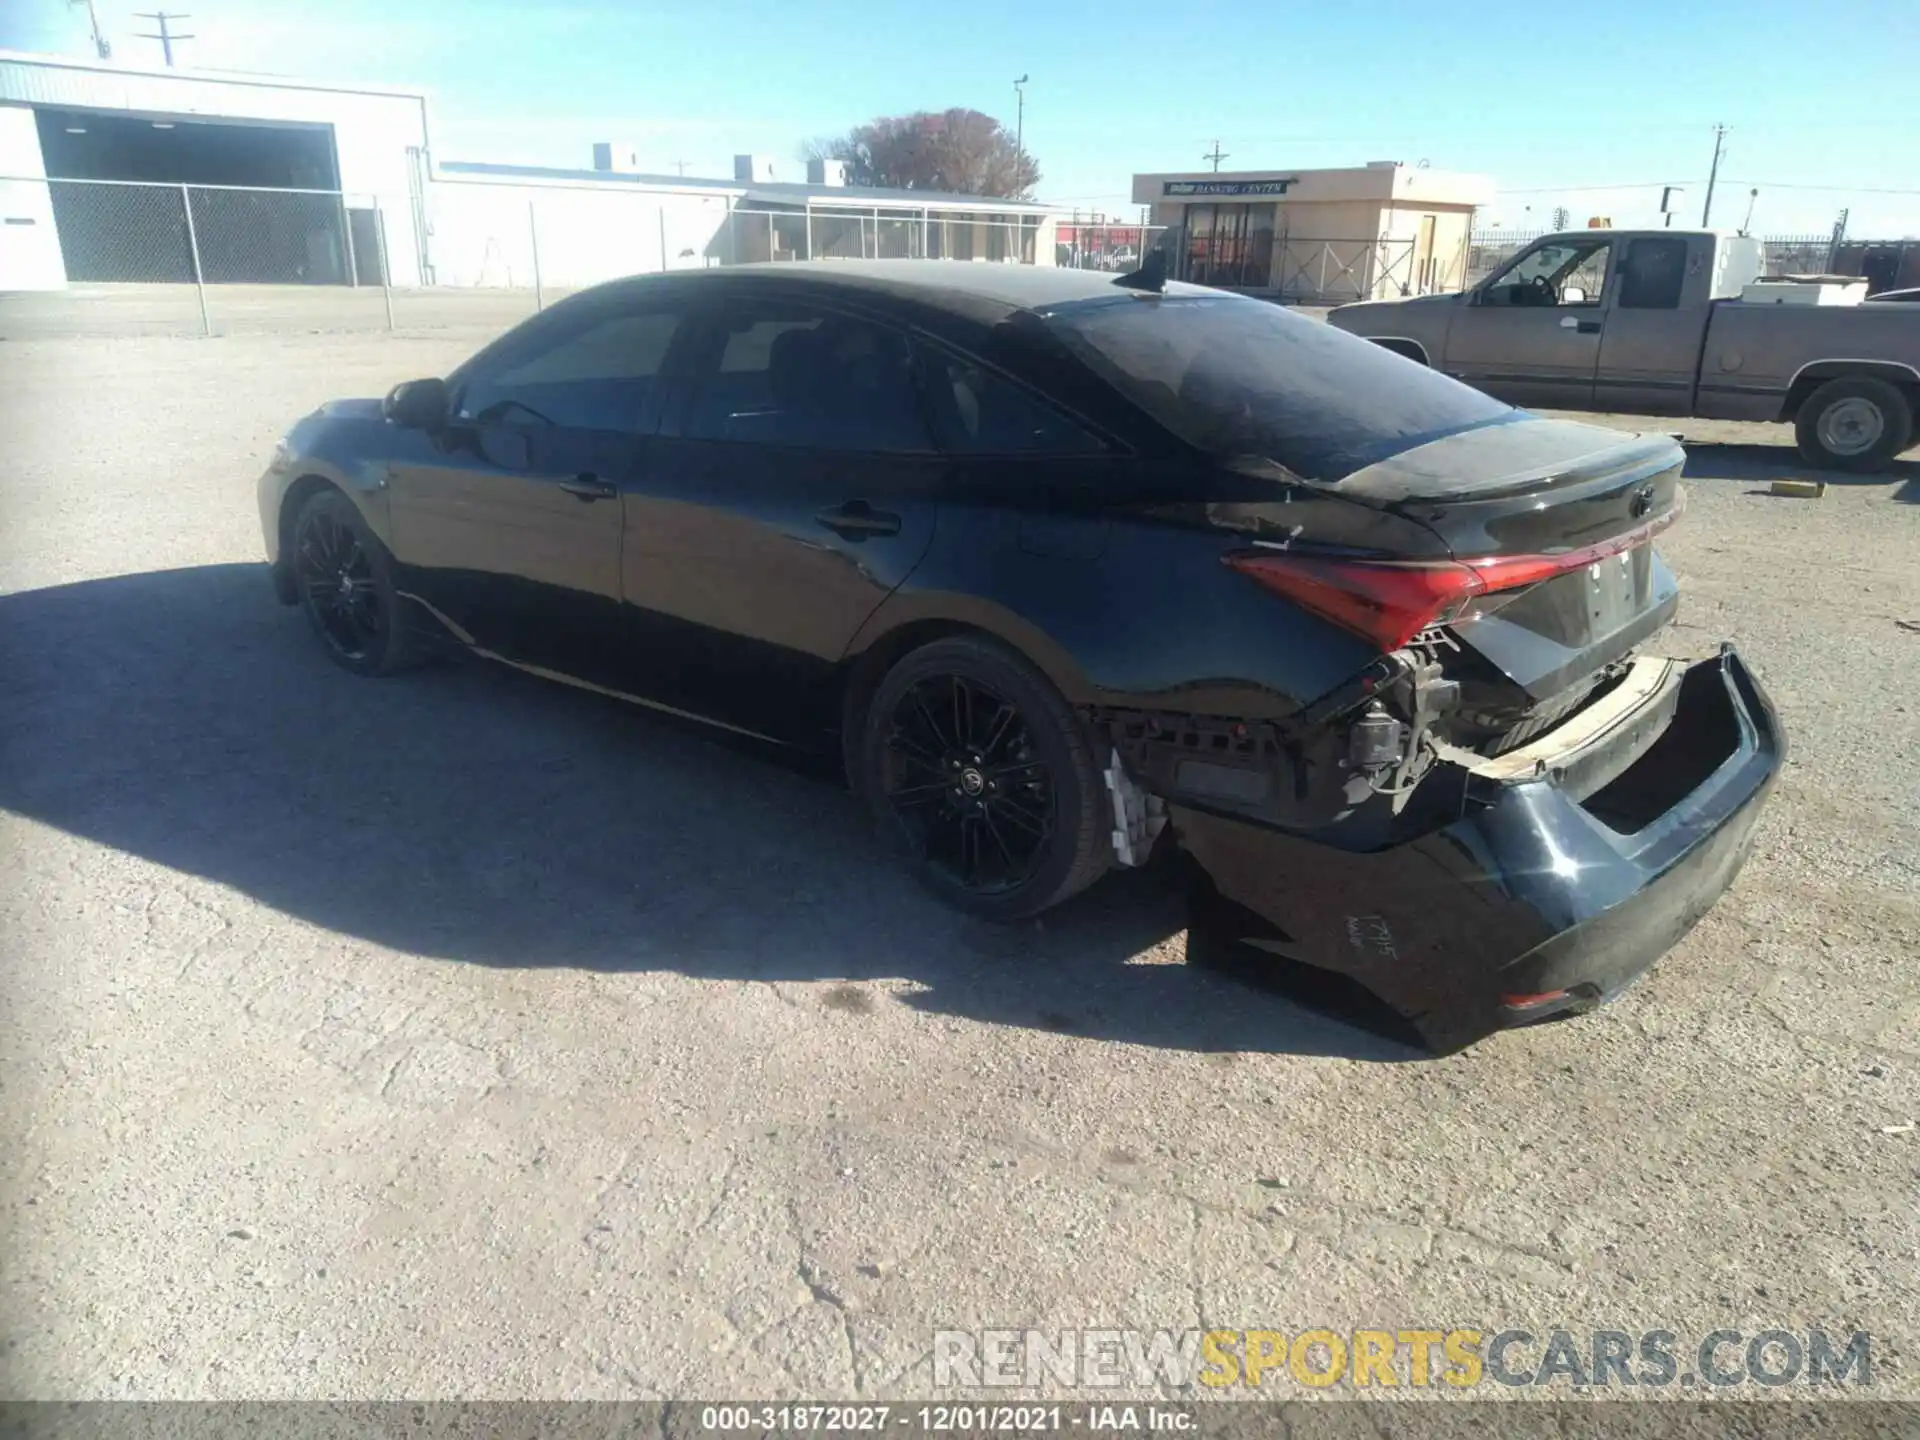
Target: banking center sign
{"x": 1189, "y": 188}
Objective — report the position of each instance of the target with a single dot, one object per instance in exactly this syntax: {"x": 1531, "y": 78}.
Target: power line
{"x": 1830, "y": 189}
{"x": 1573, "y": 189}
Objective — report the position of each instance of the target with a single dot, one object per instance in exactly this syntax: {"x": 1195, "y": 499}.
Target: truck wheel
{"x": 1856, "y": 423}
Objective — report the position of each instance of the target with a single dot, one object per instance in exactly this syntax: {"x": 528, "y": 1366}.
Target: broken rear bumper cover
{"x": 1553, "y": 891}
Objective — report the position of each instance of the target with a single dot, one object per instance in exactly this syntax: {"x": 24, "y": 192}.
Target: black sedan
{"x": 1069, "y": 567}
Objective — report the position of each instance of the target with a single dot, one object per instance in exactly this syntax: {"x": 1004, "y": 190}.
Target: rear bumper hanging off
{"x": 1554, "y": 890}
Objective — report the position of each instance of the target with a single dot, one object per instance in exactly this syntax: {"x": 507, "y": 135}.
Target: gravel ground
{"x": 463, "y": 1036}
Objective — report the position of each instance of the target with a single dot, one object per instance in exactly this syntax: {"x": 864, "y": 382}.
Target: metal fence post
{"x": 533, "y": 234}
{"x": 193, "y": 248}
{"x": 380, "y": 246}
{"x": 346, "y": 243}
{"x": 660, "y": 213}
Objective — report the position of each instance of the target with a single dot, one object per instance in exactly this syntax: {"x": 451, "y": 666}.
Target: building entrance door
{"x": 1230, "y": 244}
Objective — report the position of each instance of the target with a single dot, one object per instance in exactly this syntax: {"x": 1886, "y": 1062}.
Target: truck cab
{"x": 1590, "y": 319}
{"x": 1670, "y": 322}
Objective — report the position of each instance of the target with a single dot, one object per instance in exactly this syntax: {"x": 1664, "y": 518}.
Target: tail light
{"x": 1390, "y": 601}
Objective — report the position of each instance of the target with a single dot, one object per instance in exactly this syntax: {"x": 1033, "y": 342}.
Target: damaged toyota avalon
{"x": 1069, "y": 569}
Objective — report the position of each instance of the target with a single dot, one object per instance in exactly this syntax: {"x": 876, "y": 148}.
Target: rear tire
{"x": 1854, "y": 424}
{"x": 983, "y": 781}
{"x": 343, "y": 582}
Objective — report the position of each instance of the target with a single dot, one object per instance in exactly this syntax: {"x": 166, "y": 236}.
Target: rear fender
{"x": 1810, "y": 378}
{"x": 1123, "y": 612}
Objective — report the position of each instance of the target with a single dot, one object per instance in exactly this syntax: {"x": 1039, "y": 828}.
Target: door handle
{"x": 856, "y": 520}
{"x": 1575, "y": 323}
{"x": 587, "y": 486}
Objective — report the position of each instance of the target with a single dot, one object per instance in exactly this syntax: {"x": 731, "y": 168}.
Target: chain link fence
{"x": 121, "y": 257}
{"x": 144, "y": 258}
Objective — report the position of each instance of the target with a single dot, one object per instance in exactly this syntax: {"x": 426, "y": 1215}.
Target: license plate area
{"x": 1617, "y": 590}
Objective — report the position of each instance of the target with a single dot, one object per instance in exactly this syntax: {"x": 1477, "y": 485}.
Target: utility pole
{"x": 1020, "y": 115}
{"x": 166, "y": 37}
{"x": 100, "y": 46}
{"x": 680, "y": 167}
{"x": 1719, "y": 141}
{"x": 1216, "y": 155}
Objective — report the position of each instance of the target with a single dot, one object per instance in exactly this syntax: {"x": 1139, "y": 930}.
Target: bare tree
{"x": 960, "y": 151}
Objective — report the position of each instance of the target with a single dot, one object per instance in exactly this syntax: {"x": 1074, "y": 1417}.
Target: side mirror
{"x": 417, "y": 404}
{"x": 1573, "y": 295}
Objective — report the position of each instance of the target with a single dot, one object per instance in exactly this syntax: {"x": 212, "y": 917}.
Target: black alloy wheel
{"x": 963, "y": 776}
{"x": 983, "y": 780}
{"x": 342, "y": 580}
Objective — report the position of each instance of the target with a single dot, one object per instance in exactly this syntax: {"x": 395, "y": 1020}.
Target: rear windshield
{"x": 1239, "y": 377}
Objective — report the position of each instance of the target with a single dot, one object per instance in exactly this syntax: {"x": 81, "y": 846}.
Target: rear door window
{"x": 794, "y": 375}
{"x": 979, "y": 412}
{"x": 1244, "y": 379}
{"x": 1653, "y": 272}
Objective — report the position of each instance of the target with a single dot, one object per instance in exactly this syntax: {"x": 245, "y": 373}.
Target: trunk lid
{"x": 1567, "y": 510}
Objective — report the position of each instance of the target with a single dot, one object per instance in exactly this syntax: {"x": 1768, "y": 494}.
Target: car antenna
{"x": 1151, "y": 276}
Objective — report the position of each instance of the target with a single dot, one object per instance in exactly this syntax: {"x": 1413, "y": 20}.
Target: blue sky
{"x": 1551, "y": 101}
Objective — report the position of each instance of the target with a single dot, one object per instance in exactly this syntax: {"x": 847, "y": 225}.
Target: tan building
{"x": 1369, "y": 232}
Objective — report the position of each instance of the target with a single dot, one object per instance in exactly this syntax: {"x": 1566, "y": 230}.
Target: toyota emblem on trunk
{"x": 1642, "y": 501}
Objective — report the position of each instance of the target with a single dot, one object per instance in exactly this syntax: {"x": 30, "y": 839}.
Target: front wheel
{"x": 343, "y": 580}
{"x": 1856, "y": 424}
{"x": 983, "y": 781}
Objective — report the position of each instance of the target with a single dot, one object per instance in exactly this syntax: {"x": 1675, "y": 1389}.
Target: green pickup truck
{"x": 1673, "y": 322}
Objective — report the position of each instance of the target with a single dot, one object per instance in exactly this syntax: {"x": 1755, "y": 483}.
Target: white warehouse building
{"x": 112, "y": 173}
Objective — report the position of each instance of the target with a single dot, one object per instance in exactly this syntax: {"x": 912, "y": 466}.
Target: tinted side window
{"x": 1653, "y": 274}
{"x": 596, "y": 378}
{"x": 796, "y": 376}
{"x": 981, "y": 413}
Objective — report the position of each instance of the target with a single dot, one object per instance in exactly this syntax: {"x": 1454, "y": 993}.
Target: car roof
{"x": 953, "y": 285}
